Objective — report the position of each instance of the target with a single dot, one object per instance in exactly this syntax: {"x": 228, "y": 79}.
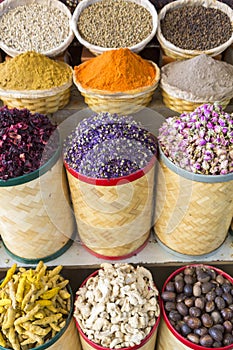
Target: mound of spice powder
{"x": 201, "y": 141}
{"x": 115, "y": 71}
{"x": 24, "y": 142}
{"x": 109, "y": 146}
{"x": 33, "y": 71}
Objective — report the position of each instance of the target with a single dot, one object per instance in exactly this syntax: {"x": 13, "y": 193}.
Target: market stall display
{"x": 118, "y": 306}
{"x": 110, "y": 162}
{"x": 117, "y": 81}
{"x": 41, "y": 84}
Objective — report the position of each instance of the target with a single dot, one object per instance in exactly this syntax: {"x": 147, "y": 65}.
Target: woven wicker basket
{"x": 7, "y": 5}
{"x": 177, "y": 53}
{"x": 122, "y": 102}
{"x": 36, "y": 220}
{"x": 114, "y": 217}
{"x": 168, "y": 338}
{"x": 97, "y": 50}
{"x": 181, "y": 106}
{"x": 40, "y": 101}
{"x": 190, "y": 209}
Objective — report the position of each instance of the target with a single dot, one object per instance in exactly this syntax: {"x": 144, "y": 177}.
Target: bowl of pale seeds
{"x": 41, "y": 26}
{"x": 102, "y": 25}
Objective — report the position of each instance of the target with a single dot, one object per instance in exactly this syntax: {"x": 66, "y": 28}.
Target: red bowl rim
{"x": 99, "y": 347}
{"x": 115, "y": 180}
{"x": 171, "y": 328}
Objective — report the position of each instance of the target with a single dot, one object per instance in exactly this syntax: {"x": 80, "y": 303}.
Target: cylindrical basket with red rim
{"x": 114, "y": 216}
{"x": 168, "y": 337}
{"x": 148, "y": 343}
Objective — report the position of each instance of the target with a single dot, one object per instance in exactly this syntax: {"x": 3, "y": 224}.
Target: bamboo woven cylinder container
{"x": 178, "y": 53}
{"x": 36, "y": 221}
{"x": 180, "y": 105}
{"x": 147, "y": 343}
{"x": 190, "y": 208}
{"x": 114, "y": 217}
{"x": 168, "y": 338}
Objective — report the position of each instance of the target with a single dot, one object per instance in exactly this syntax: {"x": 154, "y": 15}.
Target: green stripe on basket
{"x": 44, "y": 259}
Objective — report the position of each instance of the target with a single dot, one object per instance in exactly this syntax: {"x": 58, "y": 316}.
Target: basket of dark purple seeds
{"x": 187, "y": 28}
{"x": 110, "y": 162}
{"x": 197, "y": 309}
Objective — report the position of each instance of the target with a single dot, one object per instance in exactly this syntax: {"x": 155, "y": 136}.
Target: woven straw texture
{"x": 166, "y": 340}
{"x": 7, "y": 5}
{"x": 120, "y": 103}
{"x": 69, "y": 339}
{"x": 177, "y": 53}
{"x": 113, "y": 220}
{"x": 45, "y": 105}
{"x": 36, "y": 220}
{"x": 191, "y": 217}
{"x": 180, "y": 105}
{"x": 149, "y": 345}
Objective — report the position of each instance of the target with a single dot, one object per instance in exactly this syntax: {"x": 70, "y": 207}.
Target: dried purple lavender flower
{"x": 24, "y": 138}
{"x": 201, "y": 141}
{"x": 108, "y": 146}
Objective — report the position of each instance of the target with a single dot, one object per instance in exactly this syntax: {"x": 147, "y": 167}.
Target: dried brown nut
{"x": 206, "y": 340}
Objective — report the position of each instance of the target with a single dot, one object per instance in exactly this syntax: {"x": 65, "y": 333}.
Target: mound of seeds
{"x": 199, "y": 304}
{"x": 115, "y": 23}
{"x": 196, "y": 27}
{"x": 108, "y": 146}
{"x": 34, "y": 27}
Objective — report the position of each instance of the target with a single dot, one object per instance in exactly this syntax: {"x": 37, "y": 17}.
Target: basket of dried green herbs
{"x": 188, "y": 28}
{"x": 36, "y": 222}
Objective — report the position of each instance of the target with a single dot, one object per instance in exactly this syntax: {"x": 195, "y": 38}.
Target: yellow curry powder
{"x": 116, "y": 71}
{"x": 33, "y": 71}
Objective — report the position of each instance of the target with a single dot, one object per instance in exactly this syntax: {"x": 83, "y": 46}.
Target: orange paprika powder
{"x": 116, "y": 70}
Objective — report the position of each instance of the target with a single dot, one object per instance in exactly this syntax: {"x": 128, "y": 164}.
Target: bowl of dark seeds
{"x": 102, "y": 25}
{"x": 187, "y": 28}
{"x": 197, "y": 306}
{"x": 42, "y": 26}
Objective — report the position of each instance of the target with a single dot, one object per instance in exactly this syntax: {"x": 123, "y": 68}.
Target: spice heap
{"x": 33, "y": 71}
{"x": 196, "y": 27}
{"x": 115, "y": 71}
{"x": 34, "y": 27}
{"x": 25, "y": 142}
{"x": 35, "y": 305}
{"x": 199, "y": 304}
{"x": 118, "y": 307}
{"x": 108, "y": 146}
{"x": 201, "y": 141}
{"x": 115, "y": 23}
{"x": 201, "y": 78}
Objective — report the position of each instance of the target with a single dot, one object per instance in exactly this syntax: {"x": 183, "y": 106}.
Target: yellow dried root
{"x": 34, "y": 305}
